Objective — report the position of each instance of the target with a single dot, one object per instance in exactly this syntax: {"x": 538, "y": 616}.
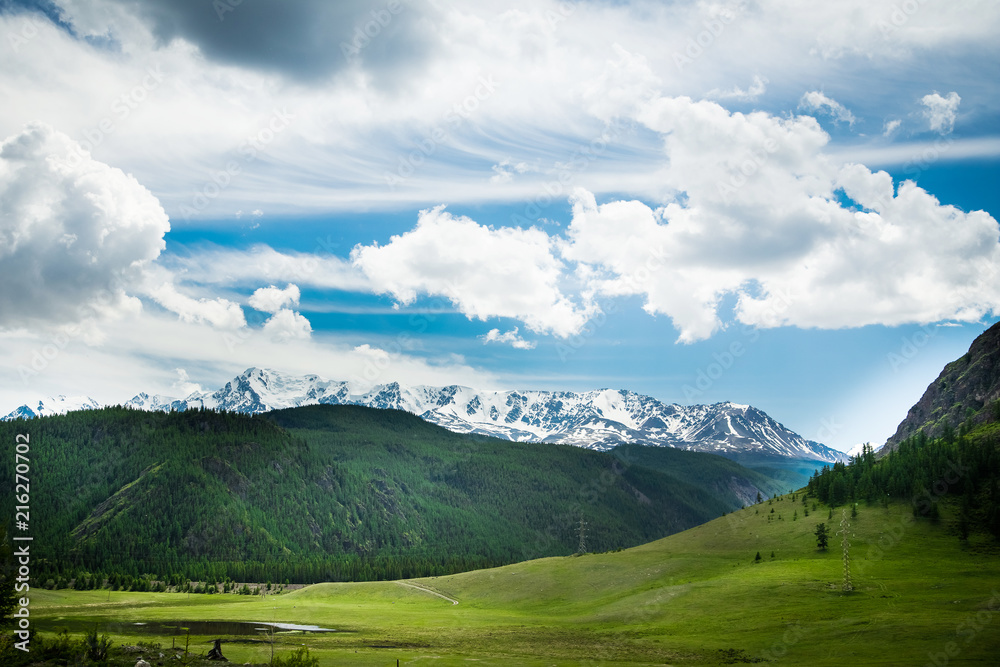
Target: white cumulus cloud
{"x": 286, "y": 325}
{"x": 760, "y": 220}
{"x": 73, "y": 231}
{"x": 624, "y": 83}
{"x": 941, "y": 112}
{"x": 754, "y": 216}
{"x": 271, "y": 299}
{"x": 485, "y": 272}
{"x": 511, "y": 338}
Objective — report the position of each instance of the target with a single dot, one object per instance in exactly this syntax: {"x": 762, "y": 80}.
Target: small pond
{"x": 178, "y": 628}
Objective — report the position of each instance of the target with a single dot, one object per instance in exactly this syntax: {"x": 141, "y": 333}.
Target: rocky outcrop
{"x": 967, "y": 387}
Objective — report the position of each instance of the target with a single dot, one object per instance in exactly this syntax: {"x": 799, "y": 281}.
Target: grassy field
{"x": 694, "y": 598}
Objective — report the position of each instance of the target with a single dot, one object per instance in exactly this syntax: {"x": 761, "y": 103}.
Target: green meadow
{"x": 920, "y": 597}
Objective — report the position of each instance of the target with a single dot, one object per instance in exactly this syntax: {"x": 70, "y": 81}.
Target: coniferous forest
{"x": 960, "y": 467}
{"x": 143, "y": 500}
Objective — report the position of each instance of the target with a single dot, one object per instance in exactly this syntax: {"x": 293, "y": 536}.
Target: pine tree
{"x": 822, "y": 537}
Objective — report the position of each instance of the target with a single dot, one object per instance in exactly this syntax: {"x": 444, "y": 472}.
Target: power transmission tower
{"x": 845, "y": 529}
{"x": 582, "y": 549}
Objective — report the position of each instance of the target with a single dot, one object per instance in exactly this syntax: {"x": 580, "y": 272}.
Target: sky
{"x": 786, "y": 204}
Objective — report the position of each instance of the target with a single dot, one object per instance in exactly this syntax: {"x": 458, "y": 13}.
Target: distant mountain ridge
{"x": 963, "y": 389}
{"x": 58, "y": 405}
{"x": 599, "y": 419}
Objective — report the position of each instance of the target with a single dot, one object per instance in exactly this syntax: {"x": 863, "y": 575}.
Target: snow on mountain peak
{"x": 53, "y": 405}
{"x": 599, "y": 419}
{"x": 857, "y": 449}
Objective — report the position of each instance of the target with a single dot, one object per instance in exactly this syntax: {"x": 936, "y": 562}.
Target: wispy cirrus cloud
{"x": 757, "y": 88}
{"x": 818, "y": 102}
{"x": 218, "y": 89}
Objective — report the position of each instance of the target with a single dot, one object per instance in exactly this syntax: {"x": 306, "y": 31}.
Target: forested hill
{"x": 968, "y": 387}
{"x": 945, "y": 453}
{"x": 332, "y": 492}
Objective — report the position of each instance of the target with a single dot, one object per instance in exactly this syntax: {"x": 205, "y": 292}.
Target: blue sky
{"x": 769, "y": 202}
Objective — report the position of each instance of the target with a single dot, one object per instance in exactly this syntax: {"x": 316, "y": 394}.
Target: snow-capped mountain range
{"x": 599, "y": 419}
{"x": 53, "y": 406}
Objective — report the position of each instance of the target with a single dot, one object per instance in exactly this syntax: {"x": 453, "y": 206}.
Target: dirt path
{"x": 427, "y": 590}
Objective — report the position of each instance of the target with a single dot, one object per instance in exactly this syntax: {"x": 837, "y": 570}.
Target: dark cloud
{"x": 307, "y": 40}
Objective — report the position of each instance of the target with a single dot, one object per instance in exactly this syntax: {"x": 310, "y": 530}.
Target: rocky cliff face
{"x": 965, "y": 387}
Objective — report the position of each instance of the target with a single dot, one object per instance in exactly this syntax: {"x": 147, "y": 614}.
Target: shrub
{"x": 299, "y": 658}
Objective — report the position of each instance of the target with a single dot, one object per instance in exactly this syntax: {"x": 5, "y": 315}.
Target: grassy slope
{"x": 681, "y": 600}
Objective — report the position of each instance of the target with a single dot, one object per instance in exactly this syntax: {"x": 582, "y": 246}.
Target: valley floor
{"x": 696, "y": 598}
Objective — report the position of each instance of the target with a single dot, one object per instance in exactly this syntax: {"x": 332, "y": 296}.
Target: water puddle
{"x": 178, "y": 628}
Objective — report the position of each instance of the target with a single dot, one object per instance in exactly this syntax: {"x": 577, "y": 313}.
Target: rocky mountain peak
{"x": 963, "y": 389}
